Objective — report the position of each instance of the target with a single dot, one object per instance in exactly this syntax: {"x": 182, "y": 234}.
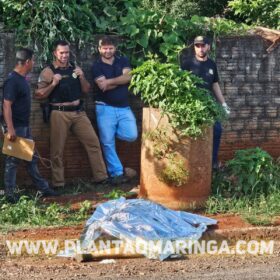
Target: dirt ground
{"x": 192, "y": 267}
{"x": 189, "y": 267}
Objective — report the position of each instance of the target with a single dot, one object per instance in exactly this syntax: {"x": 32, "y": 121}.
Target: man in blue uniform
{"x": 114, "y": 117}
{"x": 205, "y": 68}
{"x": 16, "y": 112}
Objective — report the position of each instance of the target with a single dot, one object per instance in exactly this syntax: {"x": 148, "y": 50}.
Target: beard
{"x": 108, "y": 55}
{"x": 202, "y": 55}
{"x": 63, "y": 61}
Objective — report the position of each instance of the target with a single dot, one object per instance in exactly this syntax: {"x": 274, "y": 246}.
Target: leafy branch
{"x": 176, "y": 93}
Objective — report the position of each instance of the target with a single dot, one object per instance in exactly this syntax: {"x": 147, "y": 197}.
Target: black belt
{"x": 67, "y": 108}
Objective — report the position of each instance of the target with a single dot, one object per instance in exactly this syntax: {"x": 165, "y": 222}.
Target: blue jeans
{"x": 11, "y": 164}
{"x": 114, "y": 122}
{"x": 217, "y": 134}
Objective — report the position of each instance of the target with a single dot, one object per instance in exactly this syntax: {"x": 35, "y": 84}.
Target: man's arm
{"x": 108, "y": 84}
{"x": 7, "y": 112}
{"x": 218, "y": 93}
{"x": 47, "y": 82}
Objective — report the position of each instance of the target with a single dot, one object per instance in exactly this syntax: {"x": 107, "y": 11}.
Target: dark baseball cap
{"x": 201, "y": 40}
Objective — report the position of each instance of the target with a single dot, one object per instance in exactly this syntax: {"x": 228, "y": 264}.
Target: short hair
{"x": 60, "y": 43}
{"x": 23, "y": 54}
{"x": 107, "y": 40}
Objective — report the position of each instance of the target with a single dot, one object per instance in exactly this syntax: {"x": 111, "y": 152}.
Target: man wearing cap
{"x": 113, "y": 113}
{"x": 63, "y": 83}
{"x": 205, "y": 68}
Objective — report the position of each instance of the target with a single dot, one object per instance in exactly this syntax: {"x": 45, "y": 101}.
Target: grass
{"x": 261, "y": 210}
{"x": 32, "y": 213}
{"x": 232, "y": 193}
{"x": 117, "y": 193}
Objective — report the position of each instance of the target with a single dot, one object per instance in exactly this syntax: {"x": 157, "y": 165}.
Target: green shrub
{"x": 251, "y": 173}
{"x": 176, "y": 93}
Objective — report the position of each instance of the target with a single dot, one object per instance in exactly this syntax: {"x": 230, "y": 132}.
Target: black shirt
{"x": 117, "y": 97}
{"x": 206, "y": 70}
{"x": 16, "y": 89}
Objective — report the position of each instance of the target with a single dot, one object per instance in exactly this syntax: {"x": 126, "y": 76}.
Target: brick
{"x": 258, "y": 135}
{"x": 230, "y": 89}
{"x": 276, "y": 100}
{"x": 249, "y": 79}
{"x": 271, "y": 112}
{"x": 235, "y": 126}
{"x": 245, "y": 89}
{"x": 257, "y": 110}
{"x": 264, "y": 124}
{"x": 238, "y": 101}
{"x": 244, "y": 112}
{"x": 251, "y": 124}
{"x": 274, "y": 134}
{"x": 238, "y": 78}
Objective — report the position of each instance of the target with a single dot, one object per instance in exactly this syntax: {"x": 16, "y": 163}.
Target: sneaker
{"x": 49, "y": 192}
{"x": 130, "y": 173}
{"x": 103, "y": 182}
{"x": 120, "y": 179}
{"x": 12, "y": 198}
{"x": 216, "y": 166}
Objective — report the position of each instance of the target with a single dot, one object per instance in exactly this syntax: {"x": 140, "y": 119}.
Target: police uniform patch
{"x": 211, "y": 72}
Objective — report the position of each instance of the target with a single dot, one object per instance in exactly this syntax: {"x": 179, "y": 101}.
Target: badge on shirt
{"x": 211, "y": 72}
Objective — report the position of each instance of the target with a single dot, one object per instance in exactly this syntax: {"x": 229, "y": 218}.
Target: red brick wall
{"x": 250, "y": 81}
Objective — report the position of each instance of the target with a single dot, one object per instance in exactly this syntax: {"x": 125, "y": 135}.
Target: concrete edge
{"x": 250, "y": 233}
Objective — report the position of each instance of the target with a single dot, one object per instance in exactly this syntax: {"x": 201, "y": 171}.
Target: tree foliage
{"x": 258, "y": 12}
{"x": 186, "y": 8}
{"x": 39, "y": 23}
{"x": 144, "y": 30}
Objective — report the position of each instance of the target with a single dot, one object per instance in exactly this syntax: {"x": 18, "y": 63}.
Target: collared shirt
{"x": 206, "y": 70}
{"x": 117, "y": 97}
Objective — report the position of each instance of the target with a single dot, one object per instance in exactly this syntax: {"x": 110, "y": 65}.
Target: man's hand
{"x": 79, "y": 72}
{"x": 104, "y": 84}
{"x": 226, "y": 108}
{"x": 56, "y": 79}
{"x": 11, "y": 135}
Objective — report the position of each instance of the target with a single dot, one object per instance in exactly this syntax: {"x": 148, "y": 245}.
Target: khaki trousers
{"x": 60, "y": 124}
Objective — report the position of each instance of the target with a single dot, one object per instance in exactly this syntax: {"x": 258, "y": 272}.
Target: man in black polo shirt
{"x": 16, "y": 111}
{"x": 205, "y": 68}
{"x": 113, "y": 114}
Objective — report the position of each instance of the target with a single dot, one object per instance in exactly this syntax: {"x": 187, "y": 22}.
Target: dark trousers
{"x": 11, "y": 164}
{"x": 217, "y": 134}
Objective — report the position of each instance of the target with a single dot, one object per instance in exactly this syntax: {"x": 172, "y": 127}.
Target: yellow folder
{"x": 21, "y": 148}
